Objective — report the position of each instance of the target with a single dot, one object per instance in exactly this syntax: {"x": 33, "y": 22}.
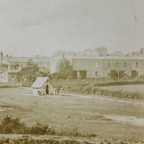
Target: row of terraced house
{"x": 84, "y": 66}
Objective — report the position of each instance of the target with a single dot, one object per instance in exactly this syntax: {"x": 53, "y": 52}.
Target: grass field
{"x": 86, "y": 115}
{"x": 126, "y": 88}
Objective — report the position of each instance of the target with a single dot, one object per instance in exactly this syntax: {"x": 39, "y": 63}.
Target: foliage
{"x": 10, "y": 125}
{"x": 141, "y": 51}
{"x": 58, "y": 53}
{"x": 64, "y": 68}
{"x": 102, "y": 51}
{"x": 93, "y": 86}
{"x": 30, "y": 72}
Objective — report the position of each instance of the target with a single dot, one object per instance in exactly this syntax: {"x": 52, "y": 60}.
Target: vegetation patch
{"x": 91, "y": 87}
{"x": 10, "y": 125}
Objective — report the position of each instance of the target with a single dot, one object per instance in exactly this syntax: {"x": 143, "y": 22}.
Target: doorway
{"x": 47, "y": 89}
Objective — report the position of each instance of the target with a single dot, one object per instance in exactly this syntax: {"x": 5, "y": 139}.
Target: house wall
{"x": 53, "y": 64}
{"x": 4, "y": 78}
{"x": 103, "y": 67}
{"x": 138, "y": 65}
{"x": 8, "y": 78}
{"x": 12, "y": 78}
{"x": 3, "y": 68}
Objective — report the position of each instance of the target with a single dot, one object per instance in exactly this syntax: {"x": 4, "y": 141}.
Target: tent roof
{"x": 40, "y": 82}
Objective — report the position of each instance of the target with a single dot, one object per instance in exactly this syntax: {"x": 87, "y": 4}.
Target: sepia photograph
{"x": 71, "y": 71}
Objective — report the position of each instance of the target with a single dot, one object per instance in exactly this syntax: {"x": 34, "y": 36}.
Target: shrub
{"x": 9, "y": 125}
{"x": 118, "y": 94}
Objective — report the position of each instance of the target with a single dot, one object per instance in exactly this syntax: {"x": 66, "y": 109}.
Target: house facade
{"x": 107, "y": 66}
{"x": 42, "y": 62}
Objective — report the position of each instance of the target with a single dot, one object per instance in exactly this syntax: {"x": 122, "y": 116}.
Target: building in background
{"x": 107, "y": 66}
{"x": 54, "y": 62}
{"x": 10, "y": 75}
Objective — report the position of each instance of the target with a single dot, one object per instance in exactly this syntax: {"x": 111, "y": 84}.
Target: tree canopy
{"x": 30, "y": 72}
{"x": 64, "y": 68}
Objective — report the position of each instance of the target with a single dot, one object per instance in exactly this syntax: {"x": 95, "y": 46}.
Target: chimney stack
{"x": 63, "y": 55}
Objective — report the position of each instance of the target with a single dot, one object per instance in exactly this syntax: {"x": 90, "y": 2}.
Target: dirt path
{"x": 126, "y": 119}
{"x": 122, "y": 119}
{"x": 99, "y": 98}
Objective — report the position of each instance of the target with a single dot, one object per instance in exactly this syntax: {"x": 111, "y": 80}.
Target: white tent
{"x": 43, "y": 86}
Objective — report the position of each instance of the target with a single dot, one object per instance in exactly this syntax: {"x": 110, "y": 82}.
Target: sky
{"x": 41, "y": 27}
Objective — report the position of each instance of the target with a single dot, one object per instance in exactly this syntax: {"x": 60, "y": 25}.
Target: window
{"x": 96, "y": 65}
{"x": 125, "y": 64}
{"x": 12, "y": 78}
{"x": 136, "y": 64}
{"x": 116, "y": 64}
{"x": 108, "y": 64}
{"x": 96, "y": 74}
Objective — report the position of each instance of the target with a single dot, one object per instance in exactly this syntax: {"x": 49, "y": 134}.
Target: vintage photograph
{"x": 71, "y": 71}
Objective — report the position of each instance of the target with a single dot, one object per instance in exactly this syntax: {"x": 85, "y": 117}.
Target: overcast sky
{"x": 40, "y": 27}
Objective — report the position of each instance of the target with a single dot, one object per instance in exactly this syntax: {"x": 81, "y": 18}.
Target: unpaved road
{"x": 107, "y": 99}
{"x": 118, "y": 118}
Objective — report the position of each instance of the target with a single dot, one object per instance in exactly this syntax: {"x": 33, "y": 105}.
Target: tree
{"x": 58, "y": 53}
{"x": 102, "y": 51}
{"x": 64, "y": 68}
{"x": 117, "y": 53}
{"x": 135, "y": 53}
{"x": 30, "y": 72}
{"x": 141, "y": 51}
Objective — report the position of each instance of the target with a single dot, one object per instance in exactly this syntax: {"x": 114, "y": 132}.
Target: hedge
{"x": 103, "y": 92}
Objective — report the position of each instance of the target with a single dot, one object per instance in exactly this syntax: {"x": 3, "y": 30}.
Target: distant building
{"x": 10, "y": 75}
{"x": 42, "y": 62}
{"x": 107, "y": 66}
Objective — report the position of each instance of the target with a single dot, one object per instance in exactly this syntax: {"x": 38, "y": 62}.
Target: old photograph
{"x": 71, "y": 71}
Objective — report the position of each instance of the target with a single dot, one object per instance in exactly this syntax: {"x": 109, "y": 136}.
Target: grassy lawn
{"x": 85, "y": 115}
{"x": 126, "y": 88}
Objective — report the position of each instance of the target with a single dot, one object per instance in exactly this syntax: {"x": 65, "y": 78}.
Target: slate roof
{"x": 14, "y": 60}
{"x": 110, "y": 57}
{"x": 69, "y": 57}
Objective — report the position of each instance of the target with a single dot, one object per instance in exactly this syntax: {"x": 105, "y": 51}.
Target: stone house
{"x": 107, "y": 66}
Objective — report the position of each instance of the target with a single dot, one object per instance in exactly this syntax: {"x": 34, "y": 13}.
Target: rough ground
{"x": 87, "y": 115}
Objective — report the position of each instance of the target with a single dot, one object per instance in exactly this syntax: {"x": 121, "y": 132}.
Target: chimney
{"x": 1, "y": 58}
{"x": 63, "y": 55}
{"x": 7, "y": 55}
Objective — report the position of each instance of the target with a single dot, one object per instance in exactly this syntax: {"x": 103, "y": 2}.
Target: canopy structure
{"x": 40, "y": 82}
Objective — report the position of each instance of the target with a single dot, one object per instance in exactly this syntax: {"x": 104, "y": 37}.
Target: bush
{"x": 9, "y": 125}
{"x": 118, "y": 94}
